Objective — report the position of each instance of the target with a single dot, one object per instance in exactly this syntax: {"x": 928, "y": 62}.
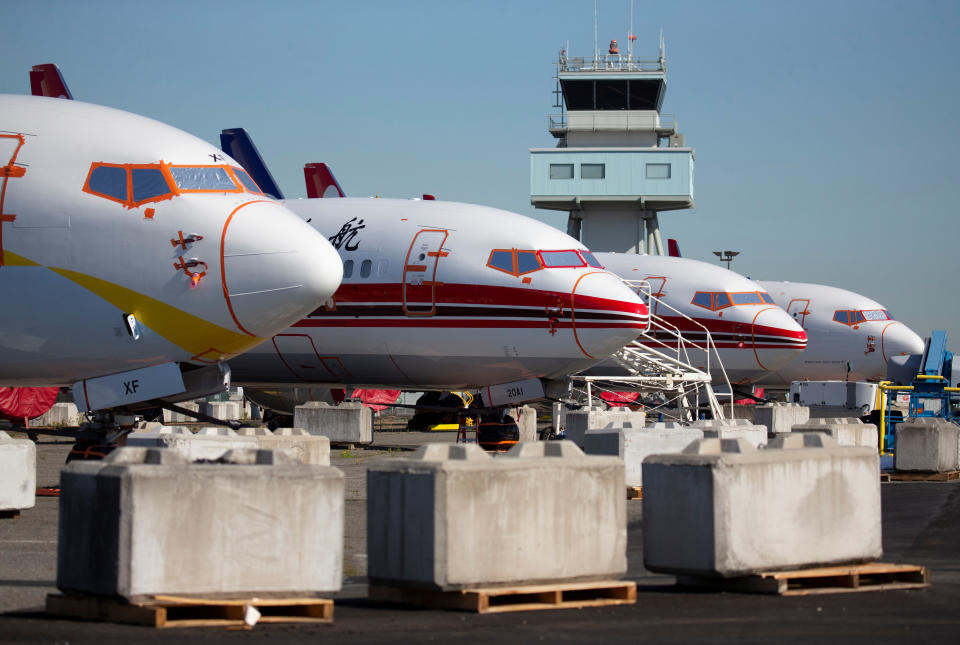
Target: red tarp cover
{"x": 30, "y": 402}
{"x": 377, "y": 400}
{"x": 619, "y": 397}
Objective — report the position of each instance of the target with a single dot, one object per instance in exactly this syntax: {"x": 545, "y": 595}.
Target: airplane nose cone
{"x": 275, "y": 268}
{"x": 899, "y": 340}
{"x": 606, "y": 314}
{"x": 777, "y": 338}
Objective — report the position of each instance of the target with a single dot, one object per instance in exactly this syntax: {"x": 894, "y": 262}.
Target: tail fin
{"x": 673, "y": 249}
{"x": 238, "y": 144}
{"x": 46, "y": 80}
{"x": 320, "y": 180}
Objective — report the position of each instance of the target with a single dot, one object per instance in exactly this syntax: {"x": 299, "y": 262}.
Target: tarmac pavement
{"x": 921, "y": 525}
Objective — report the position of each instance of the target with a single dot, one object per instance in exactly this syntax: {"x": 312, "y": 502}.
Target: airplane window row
{"x": 519, "y": 262}
{"x": 855, "y": 317}
{"x": 366, "y": 268}
{"x": 716, "y": 300}
{"x": 136, "y": 184}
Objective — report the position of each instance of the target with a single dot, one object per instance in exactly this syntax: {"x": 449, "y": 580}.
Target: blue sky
{"x": 825, "y": 132}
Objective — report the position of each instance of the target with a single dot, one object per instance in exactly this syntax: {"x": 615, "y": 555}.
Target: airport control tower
{"x": 618, "y": 161}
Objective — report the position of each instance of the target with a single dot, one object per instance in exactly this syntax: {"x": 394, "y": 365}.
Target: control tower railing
{"x": 610, "y": 62}
{"x": 663, "y": 124}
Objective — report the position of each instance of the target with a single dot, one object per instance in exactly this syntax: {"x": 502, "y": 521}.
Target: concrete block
{"x": 176, "y": 417}
{"x": 527, "y": 422}
{"x": 847, "y": 431}
{"x": 145, "y": 522}
{"x": 223, "y": 410}
{"x": 207, "y": 443}
{"x": 61, "y": 414}
{"x": 579, "y": 421}
{"x": 297, "y": 442}
{"x": 345, "y": 423}
{"x": 18, "y": 473}
{"x": 724, "y": 508}
{"x": 452, "y": 517}
{"x": 633, "y": 445}
{"x": 928, "y": 445}
{"x": 780, "y": 417}
{"x": 757, "y": 435}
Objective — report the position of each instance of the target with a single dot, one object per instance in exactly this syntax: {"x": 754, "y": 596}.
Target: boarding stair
{"x": 670, "y": 372}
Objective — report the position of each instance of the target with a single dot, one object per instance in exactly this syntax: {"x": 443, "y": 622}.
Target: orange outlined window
{"x": 246, "y": 180}
{"x": 716, "y": 300}
{"x": 129, "y": 184}
{"x": 513, "y": 261}
{"x": 561, "y": 259}
{"x": 590, "y": 259}
{"x": 855, "y": 317}
{"x": 203, "y": 179}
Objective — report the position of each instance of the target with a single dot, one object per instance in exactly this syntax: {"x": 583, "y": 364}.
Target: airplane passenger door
{"x": 420, "y": 272}
{"x": 656, "y": 290}
{"x": 799, "y": 308}
{"x": 10, "y": 145}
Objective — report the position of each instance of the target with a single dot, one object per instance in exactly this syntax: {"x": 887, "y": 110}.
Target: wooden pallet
{"x": 920, "y": 477}
{"x": 175, "y": 611}
{"x": 876, "y": 576}
{"x": 10, "y": 514}
{"x": 490, "y": 600}
{"x": 634, "y": 492}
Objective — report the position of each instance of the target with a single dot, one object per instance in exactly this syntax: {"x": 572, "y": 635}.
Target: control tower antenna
{"x": 630, "y": 36}
{"x": 595, "y": 51}
{"x": 619, "y": 162}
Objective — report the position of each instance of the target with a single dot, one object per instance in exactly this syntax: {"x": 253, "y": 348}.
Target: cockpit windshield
{"x": 857, "y": 316}
{"x": 136, "y": 184}
{"x": 520, "y": 261}
{"x": 716, "y": 300}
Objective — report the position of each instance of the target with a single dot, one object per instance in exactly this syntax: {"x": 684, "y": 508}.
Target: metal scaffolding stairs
{"x": 659, "y": 363}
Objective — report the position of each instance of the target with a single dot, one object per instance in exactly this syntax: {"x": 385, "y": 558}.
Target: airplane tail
{"x": 673, "y": 249}
{"x": 238, "y": 144}
{"x": 46, "y": 80}
{"x": 319, "y": 180}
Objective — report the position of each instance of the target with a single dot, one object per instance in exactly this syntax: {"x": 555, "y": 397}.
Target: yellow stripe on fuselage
{"x": 185, "y": 330}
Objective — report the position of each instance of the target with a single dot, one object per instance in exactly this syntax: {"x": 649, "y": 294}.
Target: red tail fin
{"x": 673, "y": 249}
{"x": 46, "y": 80}
{"x": 319, "y": 180}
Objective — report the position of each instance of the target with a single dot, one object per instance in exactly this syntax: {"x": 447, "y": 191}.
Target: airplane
{"x": 445, "y": 296}
{"x": 851, "y": 337}
{"x": 136, "y": 258}
{"x": 752, "y": 335}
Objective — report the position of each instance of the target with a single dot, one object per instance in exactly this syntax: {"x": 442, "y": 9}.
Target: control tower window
{"x": 148, "y": 183}
{"x": 593, "y": 170}
{"x": 658, "y": 171}
{"x": 612, "y": 95}
{"x": 202, "y": 178}
{"x": 109, "y": 181}
{"x": 561, "y": 171}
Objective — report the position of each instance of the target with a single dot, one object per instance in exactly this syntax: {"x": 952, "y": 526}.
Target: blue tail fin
{"x": 238, "y": 144}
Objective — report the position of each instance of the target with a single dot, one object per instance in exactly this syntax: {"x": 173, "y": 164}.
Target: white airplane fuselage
{"x": 850, "y": 337}
{"x": 752, "y": 335}
{"x": 423, "y": 303}
{"x": 105, "y": 214}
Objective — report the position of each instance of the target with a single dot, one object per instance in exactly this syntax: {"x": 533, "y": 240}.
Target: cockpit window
{"x": 715, "y": 300}
{"x": 246, "y": 180}
{"x": 527, "y": 262}
{"x": 148, "y": 183}
{"x": 855, "y": 316}
{"x": 502, "y": 260}
{"x": 212, "y": 178}
{"x": 590, "y": 259}
{"x": 109, "y": 181}
{"x": 748, "y": 298}
{"x": 556, "y": 259}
